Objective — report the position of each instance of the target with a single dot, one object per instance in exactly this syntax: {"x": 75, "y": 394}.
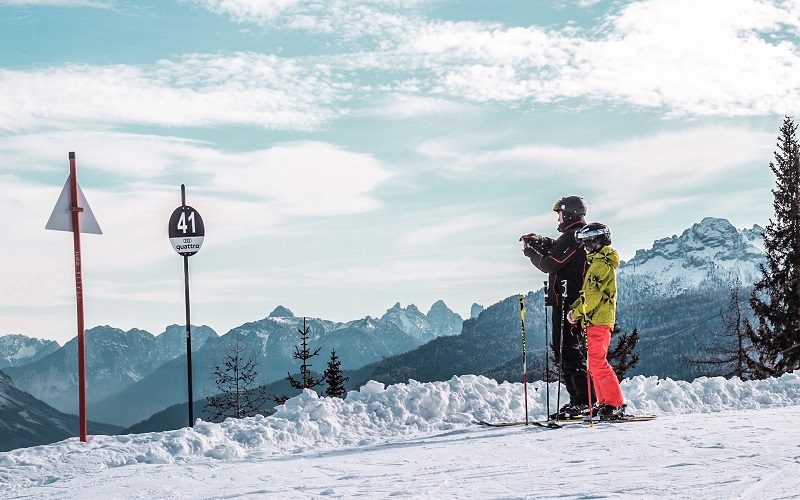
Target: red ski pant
{"x": 604, "y": 380}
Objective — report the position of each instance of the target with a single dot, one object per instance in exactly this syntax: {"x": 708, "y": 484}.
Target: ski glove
{"x": 527, "y": 238}
{"x": 530, "y": 252}
{"x": 571, "y": 320}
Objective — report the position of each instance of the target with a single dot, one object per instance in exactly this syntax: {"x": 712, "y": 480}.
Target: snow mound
{"x": 375, "y": 415}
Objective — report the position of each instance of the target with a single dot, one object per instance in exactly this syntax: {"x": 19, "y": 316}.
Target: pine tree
{"x": 623, "y": 357}
{"x": 730, "y": 353}
{"x": 776, "y": 297}
{"x": 308, "y": 380}
{"x": 335, "y": 378}
{"x": 239, "y": 393}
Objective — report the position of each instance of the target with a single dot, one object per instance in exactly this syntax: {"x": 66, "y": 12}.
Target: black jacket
{"x": 561, "y": 259}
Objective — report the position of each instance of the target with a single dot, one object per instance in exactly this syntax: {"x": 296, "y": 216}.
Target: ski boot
{"x": 570, "y": 411}
{"x": 603, "y": 411}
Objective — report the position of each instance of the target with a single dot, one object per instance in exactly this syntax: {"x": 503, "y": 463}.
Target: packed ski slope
{"x": 714, "y": 438}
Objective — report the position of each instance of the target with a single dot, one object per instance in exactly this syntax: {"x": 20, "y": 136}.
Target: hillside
{"x": 25, "y": 421}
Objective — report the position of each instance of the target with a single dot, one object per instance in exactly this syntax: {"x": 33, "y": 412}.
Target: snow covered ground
{"x": 714, "y": 438}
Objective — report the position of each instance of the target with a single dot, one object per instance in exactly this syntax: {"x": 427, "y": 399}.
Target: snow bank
{"x": 703, "y": 395}
{"x": 374, "y": 414}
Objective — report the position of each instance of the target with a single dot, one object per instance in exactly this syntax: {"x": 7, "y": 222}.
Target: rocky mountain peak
{"x": 710, "y": 239}
{"x": 281, "y": 312}
{"x": 711, "y": 253}
{"x": 439, "y": 307}
{"x": 443, "y": 319}
{"x": 412, "y": 309}
{"x": 476, "y": 310}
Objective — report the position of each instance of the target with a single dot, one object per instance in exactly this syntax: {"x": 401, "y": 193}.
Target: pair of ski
{"x": 552, "y": 424}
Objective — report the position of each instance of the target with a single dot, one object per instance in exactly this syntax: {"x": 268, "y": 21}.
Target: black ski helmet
{"x": 572, "y": 207}
{"x": 594, "y": 232}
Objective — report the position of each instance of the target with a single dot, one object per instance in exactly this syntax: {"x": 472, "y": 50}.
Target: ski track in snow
{"x": 713, "y": 438}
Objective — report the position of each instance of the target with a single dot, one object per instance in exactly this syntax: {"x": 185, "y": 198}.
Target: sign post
{"x": 72, "y": 213}
{"x": 186, "y": 232}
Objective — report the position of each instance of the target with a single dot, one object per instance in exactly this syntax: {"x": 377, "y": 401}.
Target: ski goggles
{"x": 593, "y": 233}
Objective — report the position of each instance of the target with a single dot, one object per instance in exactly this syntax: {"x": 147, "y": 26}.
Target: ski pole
{"x": 588, "y": 373}
{"x": 561, "y": 343}
{"x": 524, "y": 355}
{"x": 546, "y": 351}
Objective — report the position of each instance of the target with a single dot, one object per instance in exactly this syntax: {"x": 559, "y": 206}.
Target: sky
{"x": 347, "y": 155}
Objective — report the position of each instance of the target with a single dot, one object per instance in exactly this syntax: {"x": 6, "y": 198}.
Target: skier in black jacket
{"x": 564, "y": 260}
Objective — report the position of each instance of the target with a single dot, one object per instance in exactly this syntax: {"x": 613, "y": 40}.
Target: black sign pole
{"x": 188, "y": 322}
{"x": 186, "y": 232}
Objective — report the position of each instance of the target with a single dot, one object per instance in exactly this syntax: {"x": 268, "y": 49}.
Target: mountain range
{"x": 663, "y": 290}
{"x": 708, "y": 255}
{"x": 114, "y": 360}
{"x": 126, "y": 370}
{"x": 272, "y": 340}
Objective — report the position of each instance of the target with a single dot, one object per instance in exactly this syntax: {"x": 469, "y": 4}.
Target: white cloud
{"x": 399, "y": 107}
{"x": 717, "y": 57}
{"x": 259, "y": 190}
{"x": 719, "y": 60}
{"x": 134, "y": 157}
{"x": 197, "y": 90}
{"x": 694, "y": 151}
{"x": 653, "y": 172}
{"x": 260, "y": 12}
{"x": 345, "y": 18}
{"x": 716, "y": 61}
{"x": 307, "y": 178}
{"x": 97, "y": 4}
{"x": 728, "y": 58}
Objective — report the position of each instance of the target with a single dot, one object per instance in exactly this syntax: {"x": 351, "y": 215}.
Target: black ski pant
{"x": 573, "y": 358}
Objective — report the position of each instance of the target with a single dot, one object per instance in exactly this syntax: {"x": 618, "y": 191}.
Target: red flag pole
{"x": 524, "y": 355}
{"x": 76, "y": 239}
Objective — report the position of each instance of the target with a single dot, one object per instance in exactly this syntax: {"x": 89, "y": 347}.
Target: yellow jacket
{"x": 597, "y": 302}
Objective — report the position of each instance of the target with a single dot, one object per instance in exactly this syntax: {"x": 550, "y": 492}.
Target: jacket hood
{"x": 606, "y": 253}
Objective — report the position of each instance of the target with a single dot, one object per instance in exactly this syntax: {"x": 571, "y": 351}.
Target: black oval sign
{"x": 186, "y": 230}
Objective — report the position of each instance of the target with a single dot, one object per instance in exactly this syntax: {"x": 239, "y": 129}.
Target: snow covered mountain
{"x": 26, "y": 421}
{"x": 17, "y": 350}
{"x": 710, "y": 254}
{"x": 114, "y": 360}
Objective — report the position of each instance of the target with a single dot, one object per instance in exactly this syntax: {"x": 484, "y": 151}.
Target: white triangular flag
{"x": 61, "y": 218}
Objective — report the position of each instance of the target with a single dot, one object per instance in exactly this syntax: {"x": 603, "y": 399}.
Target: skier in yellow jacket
{"x": 595, "y": 309}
